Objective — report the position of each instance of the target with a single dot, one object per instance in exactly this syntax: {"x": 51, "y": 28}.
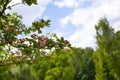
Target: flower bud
{"x": 33, "y": 35}
{"x": 66, "y": 42}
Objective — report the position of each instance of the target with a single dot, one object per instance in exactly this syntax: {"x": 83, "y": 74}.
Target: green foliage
{"x": 22, "y": 72}
{"x": 104, "y": 38}
{"x": 4, "y": 73}
{"x": 48, "y": 57}
{"x": 107, "y": 54}
{"x": 115, "y": 56}
{"x": 83, "y": 62}
{"x": 29, "y": 2}
{"x": 56, "y": 66}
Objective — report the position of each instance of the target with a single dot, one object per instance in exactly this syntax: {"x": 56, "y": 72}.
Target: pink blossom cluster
{"x": 43, "y": 40}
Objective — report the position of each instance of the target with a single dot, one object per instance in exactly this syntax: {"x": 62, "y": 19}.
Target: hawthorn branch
{"x": 5, "y": 7}
{"x": 15, "y": 4}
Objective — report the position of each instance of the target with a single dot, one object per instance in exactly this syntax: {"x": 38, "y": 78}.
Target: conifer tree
{"x": 104, "y": 37}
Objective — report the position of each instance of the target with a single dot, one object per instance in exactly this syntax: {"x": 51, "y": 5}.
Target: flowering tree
{"x": 38, "y": 50}
{"x": 15, "y": 50}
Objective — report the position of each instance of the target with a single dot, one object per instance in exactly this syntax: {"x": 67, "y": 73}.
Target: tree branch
{"x": 4, "y": 7}
{"x": 15, "y": 4}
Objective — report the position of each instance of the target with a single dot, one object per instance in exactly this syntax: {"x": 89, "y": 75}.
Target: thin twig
{"x": 15, "y": 4}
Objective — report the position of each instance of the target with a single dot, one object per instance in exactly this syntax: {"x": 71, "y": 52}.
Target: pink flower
{"x": 66, "y": 42}
{"x": 33, "y": 35}
{"x": 22, "y": 40}
{"x": 43, "y": 40}
{"x": 18, "y": 53}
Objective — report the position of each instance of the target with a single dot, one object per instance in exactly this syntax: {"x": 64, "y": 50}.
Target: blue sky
{"x": 72, "y": 19}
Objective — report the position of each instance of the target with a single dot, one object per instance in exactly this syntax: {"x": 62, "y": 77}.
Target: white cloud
{"x": 14, "y": 2}
{"x": 66, "y": 3}
{"x": 70, "y": 3}
{"x": 82, "y": 39}
{"x": 29, "y": 13}
{"x": 65, "y": 20}
{"x": 88, "y": 17}
{"x": 116, "y": 25}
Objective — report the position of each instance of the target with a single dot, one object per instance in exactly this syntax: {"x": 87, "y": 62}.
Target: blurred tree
{"x": 83, "y": 62}
{"x": 23, "y": 72}
{"x": 104, "y": 37}
{"x": 114, "y": 56}
{"x": 57, "y": 66}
